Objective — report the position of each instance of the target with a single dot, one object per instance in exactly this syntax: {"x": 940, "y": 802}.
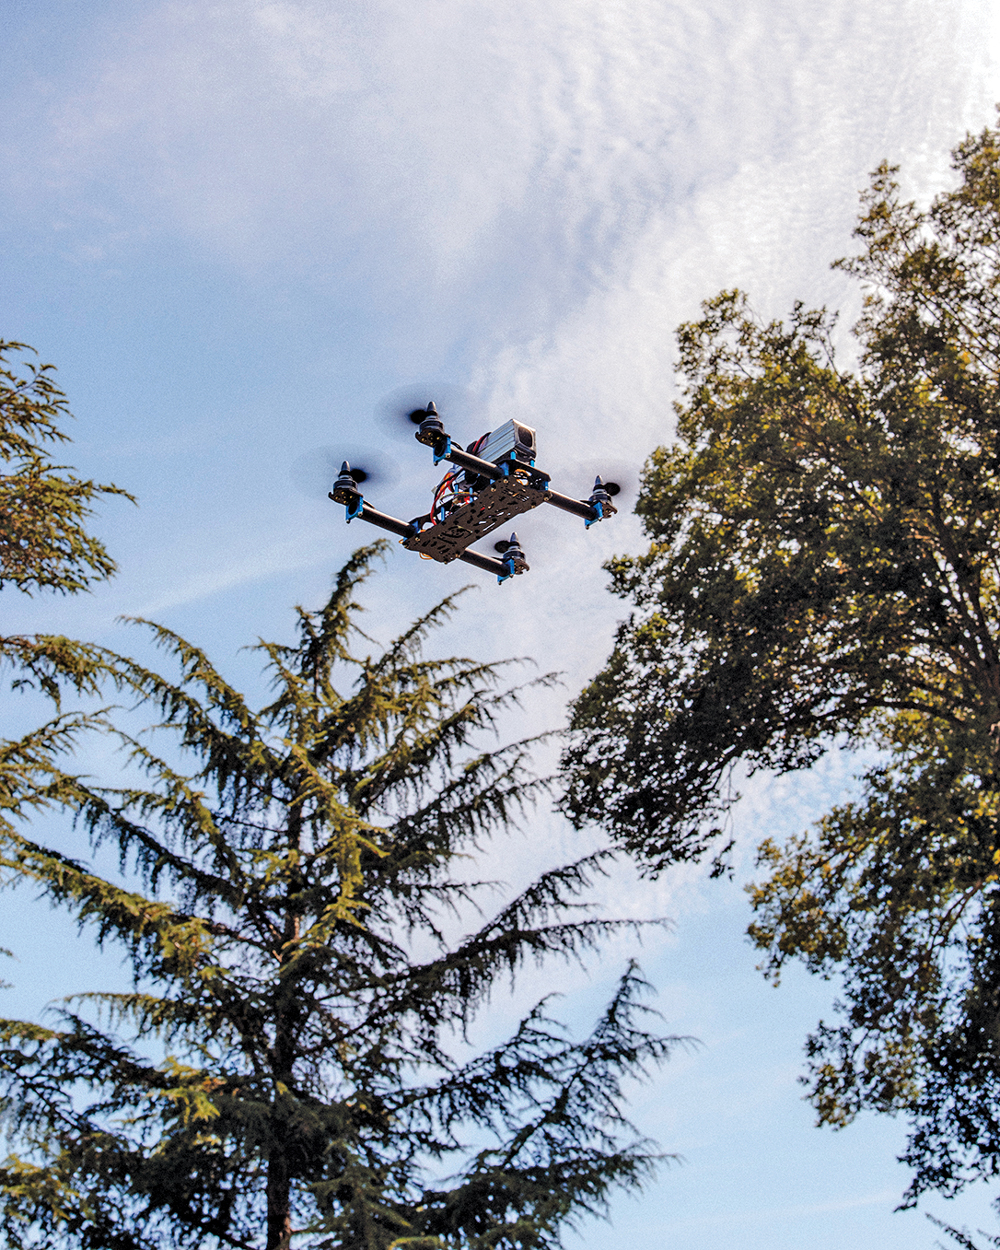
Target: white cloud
{"x": 451, "y": 138}
{"x": 883, "y": 1198}
{"x": 556, "y": 183}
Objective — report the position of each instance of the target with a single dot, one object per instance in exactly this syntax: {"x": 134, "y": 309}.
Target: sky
{"x": 236, "y": 225}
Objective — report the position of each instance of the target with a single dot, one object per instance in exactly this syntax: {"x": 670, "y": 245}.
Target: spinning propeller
{"x": 404, "y": 408}
{"x": 618, "y": 477}
{"x": 314, "y": 472}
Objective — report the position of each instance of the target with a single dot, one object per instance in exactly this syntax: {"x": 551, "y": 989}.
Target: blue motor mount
{"x": 512, "y": 558}
{"x": 600, "y": 501}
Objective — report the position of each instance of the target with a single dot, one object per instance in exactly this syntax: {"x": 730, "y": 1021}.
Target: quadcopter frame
{"x": 494, "y": 491}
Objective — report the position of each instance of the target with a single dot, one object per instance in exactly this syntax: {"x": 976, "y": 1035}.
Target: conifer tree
{"x": 292, "y": 1066}
{"x": 44, "y": 545}
{"x": 43, "y": 506}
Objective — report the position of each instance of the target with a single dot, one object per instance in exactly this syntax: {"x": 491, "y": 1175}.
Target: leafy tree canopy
{"x": 290, "y": 1067}
{"x": 825, "y": 566}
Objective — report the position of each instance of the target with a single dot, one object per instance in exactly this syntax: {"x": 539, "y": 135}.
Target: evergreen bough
{"x": 44, "y": 545}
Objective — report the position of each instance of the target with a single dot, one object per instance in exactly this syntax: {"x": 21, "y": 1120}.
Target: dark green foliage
{"x": 824, "y": 567}
{"x": 286, "y": 1070}
{"x": 962, "y": 1235}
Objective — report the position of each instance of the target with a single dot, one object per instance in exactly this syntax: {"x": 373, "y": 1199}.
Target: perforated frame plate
{"x": 492, "y": 507}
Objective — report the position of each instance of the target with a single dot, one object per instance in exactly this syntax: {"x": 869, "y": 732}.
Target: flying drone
{"x": 494, "y": 480}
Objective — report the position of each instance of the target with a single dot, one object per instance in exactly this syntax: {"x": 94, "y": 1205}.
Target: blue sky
{"x": 235, "y": 225}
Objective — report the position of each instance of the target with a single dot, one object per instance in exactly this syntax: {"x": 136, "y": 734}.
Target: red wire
{"x": 447, "y": 482}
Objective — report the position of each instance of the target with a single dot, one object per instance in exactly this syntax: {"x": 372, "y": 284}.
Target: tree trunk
{"x": 279, "y": 1211}
{"x": 279, "y": 1182}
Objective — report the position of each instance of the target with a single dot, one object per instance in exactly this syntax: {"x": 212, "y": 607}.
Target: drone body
{"x": 494, "y": 481}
